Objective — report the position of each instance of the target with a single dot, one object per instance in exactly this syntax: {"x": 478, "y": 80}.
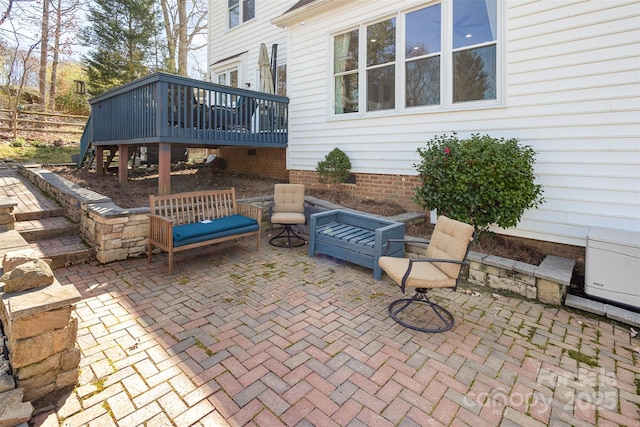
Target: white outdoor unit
{"x": 612, "y": 266}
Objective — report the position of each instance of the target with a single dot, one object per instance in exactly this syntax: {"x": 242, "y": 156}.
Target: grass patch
{"x": 206, "y": 349}
{"x": 38, "y": 153}
{"x": 107, "y": 408}
{"x": 583, "y": 358}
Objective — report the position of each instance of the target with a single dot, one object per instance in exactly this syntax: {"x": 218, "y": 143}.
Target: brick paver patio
{"x": 271, "y": 337}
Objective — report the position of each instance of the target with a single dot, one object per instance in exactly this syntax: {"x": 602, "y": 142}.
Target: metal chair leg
{"x": 446, "y": 318}
{"x": 287, "y": 233}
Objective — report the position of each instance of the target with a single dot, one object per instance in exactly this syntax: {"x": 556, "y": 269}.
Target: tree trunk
{"x": 182, "y": 22}
{"x": 171, "y": 38}
{"x": 56, "y": 56}
{"x": 183, "y": 40}
{"x": 42, "y": 83}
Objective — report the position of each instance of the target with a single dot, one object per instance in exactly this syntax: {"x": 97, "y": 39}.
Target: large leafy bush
{"x": 480, "y": 180}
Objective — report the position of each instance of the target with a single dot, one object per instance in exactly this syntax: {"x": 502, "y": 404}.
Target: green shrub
{"x": 17, "y": 142}
{"x": 335, "y": 168}
{"x": 480, "y": 180}
{"x": 38, "y": 144}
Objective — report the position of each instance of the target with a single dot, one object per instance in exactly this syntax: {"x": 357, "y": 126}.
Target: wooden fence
{"x": 34, "y": 121}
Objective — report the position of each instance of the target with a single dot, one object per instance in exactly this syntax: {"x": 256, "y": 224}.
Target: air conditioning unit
{"x": 612, "y": 266}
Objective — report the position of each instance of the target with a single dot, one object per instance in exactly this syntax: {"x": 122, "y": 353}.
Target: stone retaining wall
{"x": 7, "y": 217}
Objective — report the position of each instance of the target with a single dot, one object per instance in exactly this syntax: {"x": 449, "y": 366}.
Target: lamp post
{"x": 80, "y": 89}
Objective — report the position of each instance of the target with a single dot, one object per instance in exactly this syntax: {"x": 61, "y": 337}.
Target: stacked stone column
{"x": 37, "y": 316}
{"x": 7, "y": 217}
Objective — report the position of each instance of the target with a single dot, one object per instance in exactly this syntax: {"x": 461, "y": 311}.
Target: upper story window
{"x": 437, "y": 63}
{"x": 240, "y": 11}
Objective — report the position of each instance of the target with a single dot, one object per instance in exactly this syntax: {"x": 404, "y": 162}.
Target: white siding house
{"x": 566, "y": 81}
{"x": 234, "y": 43}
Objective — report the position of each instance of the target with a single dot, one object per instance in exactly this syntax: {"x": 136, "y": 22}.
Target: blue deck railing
{"x": 173, "y": 109}
{"x": 85, "y": 141}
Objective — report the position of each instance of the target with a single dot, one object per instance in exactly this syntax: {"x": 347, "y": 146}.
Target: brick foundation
{"x": 399, "y": 189}
{"x": 262, "y": 162}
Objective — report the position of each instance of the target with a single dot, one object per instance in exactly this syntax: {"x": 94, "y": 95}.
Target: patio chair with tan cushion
{"x": 444, "y": 256}
{"x": 287, "y": 209}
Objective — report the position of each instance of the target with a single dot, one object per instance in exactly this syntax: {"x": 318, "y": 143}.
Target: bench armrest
{"x": 252, "y": 211}
{"x": 161, "y": 229}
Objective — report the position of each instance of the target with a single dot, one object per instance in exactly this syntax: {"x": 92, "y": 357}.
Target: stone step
{"x": 11, "y": 241}
{"x": 13, "y": 411}
{"x": 64, "y": 251}
{"x": 46, "y": 228}
{"x": 38, "y": 214}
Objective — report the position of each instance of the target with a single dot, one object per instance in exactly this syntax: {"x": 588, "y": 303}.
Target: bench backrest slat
{"x": 187, "y": 208}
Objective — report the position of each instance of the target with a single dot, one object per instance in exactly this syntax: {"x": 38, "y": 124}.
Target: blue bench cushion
{"x": 220, "y": 227}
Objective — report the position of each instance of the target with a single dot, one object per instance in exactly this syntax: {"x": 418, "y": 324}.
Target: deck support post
{"x": 164, "y": 169}
{"x": 123, "y": 163}
{"x": 99, "y": 160}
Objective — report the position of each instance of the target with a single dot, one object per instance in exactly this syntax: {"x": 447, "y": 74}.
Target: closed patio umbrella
{"x": 266, "y": 78}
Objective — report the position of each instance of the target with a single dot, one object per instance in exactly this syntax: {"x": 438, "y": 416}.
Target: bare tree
{"x": 42, "y": 80}
{"x": 65, "y": 21}
{"x": 7, "y": 12}
{"x": 17, "y": 71}
{"x": 183, "y": 22}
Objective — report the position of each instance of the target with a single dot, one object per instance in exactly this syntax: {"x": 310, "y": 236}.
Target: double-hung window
{"x": 345, "y": 72}
{"x": 240, "y": 11}
{"x": 436, "y": 57}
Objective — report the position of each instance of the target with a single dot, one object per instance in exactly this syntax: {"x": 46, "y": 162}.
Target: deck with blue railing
{"x": 169, "y": 109}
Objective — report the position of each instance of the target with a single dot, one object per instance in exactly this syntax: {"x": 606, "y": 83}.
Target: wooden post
{"x": 164, "y": 168}
{"x": 99, "y": 160}
{"x": 123, "y": 163}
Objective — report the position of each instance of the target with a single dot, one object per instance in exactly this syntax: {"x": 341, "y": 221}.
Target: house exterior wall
{"x": 241, "y": 44}
{"x": 570, "y": 90}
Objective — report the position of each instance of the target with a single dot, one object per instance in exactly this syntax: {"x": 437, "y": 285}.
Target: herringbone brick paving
{"x": 271, "y": 337}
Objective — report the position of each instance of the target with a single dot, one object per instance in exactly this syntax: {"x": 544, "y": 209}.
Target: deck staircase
{"x": 87, "y": 152}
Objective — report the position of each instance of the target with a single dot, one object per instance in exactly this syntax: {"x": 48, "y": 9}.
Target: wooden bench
{"x": 183, "y": 221}
{"x": 354, "y": 237}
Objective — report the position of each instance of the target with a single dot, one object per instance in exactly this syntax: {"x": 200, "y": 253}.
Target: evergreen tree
{"x": 122, "y": 40}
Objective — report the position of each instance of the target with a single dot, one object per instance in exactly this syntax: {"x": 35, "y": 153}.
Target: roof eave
{"x": 303, "y": 12}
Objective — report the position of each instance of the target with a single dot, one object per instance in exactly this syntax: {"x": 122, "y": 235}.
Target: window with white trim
{"x": 227, "y": 77}
{"x": 240, "y": 11}
{"x": 438, "y": 56}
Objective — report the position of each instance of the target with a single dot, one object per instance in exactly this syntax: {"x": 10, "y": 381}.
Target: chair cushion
{"x": 288, "y": 198}
{"x": 218, "y": 225}
{"x": 449, "y": 240}
{"x": 423, "y": 274}
{"x": 287, "y": 218}
{"x": 218, "y": 235}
